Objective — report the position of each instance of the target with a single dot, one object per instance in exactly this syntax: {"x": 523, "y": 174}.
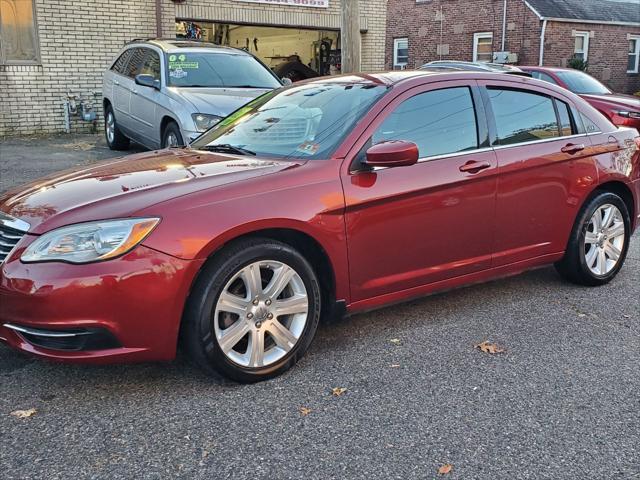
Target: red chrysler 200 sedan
{"x": 623, "y": 110}
{"x": 322, "y": 198}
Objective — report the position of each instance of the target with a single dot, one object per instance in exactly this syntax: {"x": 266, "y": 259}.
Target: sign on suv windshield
{"x": 210, "y": 69}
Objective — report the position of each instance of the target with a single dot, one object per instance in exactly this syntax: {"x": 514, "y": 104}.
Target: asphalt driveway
{"x": 563, "y": 400}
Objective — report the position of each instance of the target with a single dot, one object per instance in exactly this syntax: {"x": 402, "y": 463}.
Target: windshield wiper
{"x": 228, "y": 148}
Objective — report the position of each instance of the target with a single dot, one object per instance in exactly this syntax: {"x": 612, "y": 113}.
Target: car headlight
{"x": 89, "y": 242}
{"x": 204, "y": 121}
{"x": 628, "y": 114}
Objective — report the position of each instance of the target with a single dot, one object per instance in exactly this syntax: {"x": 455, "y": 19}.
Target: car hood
{"x": 217, "y": 101}
{"x": 621, "y": 100}
{"x": 117, "y": 189}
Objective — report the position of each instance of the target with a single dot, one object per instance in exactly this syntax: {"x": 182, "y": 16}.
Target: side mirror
{"x": 395, "y": 153}
{"x": 148, "y": 81}
{"x": 286, "y": 81}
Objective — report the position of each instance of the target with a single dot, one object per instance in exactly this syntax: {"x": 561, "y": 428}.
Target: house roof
{"x": 592, "y": 11}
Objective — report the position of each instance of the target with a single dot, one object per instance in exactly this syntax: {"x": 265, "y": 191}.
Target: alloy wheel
{"x": 110, "y": 126}
{"x": 261, "y": 314}
{"x": 604, "y": 240}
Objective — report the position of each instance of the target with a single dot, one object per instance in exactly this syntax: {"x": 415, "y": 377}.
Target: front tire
{"x": 599, "y": 241}
{"x": 253, "y": 311}
{"x": 171, "y": 137}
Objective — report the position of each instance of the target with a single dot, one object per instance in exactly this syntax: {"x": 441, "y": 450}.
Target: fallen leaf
{"x": 396, "y": 341}
{"x": 24, "y": 413}
{"x": 337, "y": 391}
{"x": 444, "y": 469}
{"x": 626, "y": 316}
{"x": 304, "y": 411}
{"x": 490, "y": 348}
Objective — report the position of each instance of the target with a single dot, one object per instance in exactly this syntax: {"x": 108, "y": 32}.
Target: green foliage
{"x": 578, "y": 64}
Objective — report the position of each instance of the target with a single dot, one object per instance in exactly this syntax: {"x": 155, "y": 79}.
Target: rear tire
{"x": 116, "y": 140}
{"x": 171, "y": 137}
{"x": 599, "y": 241}
{"x": 252, "y": 312}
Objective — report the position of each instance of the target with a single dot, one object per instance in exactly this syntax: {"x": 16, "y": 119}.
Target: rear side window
{"x": 544, "y": 76}
{"x": 121, "y": 63}
{"x": 566, "y": 124}
{"x": 134, "y": 66}
{"x": 440, "y": 122}
{"x": 522, "y": 116}
{"x": 589, "y": 125}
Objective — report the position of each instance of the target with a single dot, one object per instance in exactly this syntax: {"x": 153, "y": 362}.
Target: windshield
{"x": 303, "y": 121}
{"x": 215, "y": 69}
{"x": 579, "y": 82}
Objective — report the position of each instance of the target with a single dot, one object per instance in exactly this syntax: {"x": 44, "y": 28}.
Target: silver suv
{"x": 162, "y": 93}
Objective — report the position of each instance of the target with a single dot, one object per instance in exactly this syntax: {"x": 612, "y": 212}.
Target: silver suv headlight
{"x": 204, "y": 121}
{"x": 90, "y": 242}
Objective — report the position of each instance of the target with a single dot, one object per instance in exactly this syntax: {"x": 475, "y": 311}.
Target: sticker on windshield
{"x": 184, "y": 65}
{"x": 177, "y": 73}
{"x": 308, "y": 148}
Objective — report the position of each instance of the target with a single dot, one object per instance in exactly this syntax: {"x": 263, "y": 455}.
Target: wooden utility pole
{"x": 351, "y": 42}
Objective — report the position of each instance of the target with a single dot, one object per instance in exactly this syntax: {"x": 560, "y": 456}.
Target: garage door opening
{"x": 293, "y": 53}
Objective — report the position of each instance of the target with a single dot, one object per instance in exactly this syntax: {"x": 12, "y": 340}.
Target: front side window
{"x": 18, "y": 32}
{"x": 400, "y": 53}
{"x": 522, "y": 116}
{"x": 209, "y": 69}
{"x": 582, "y": 83}
{"x": 151, "y": 65}
{"x": 439, "y": 122}
{"x": 581, "y": 47}
{"x": 306, "y": 121}
{"x": 483, "y": 47}
{"x": 634, "y": 55}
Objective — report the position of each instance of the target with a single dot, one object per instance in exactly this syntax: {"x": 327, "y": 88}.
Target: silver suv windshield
{"x": 216, "y": 70}
{"x": 306, "y": 121}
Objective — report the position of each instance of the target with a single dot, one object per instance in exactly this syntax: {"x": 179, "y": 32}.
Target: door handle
{"x": 116, "y": 82}
{"x": 135, "y": 92}
{"x": 572, "y": 148}
{"x": 474, "y": 167}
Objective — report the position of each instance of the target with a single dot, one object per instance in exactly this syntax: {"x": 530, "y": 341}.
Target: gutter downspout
{"x": 542, "y": 34}
{"x": 504, "y": 24}
{"x": 159, "y": 18}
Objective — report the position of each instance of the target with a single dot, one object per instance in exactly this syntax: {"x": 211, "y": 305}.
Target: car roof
{"x": 397, "y": 77}
{"x": 175, "y": 44}
{"x": 548, "y": 69}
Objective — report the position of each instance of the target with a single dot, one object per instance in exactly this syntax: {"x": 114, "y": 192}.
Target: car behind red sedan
{"x": 623, "y": 110}
{"x": 336, "y": 195}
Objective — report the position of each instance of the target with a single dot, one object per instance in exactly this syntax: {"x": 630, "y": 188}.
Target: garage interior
{"x": 293, "y": 53}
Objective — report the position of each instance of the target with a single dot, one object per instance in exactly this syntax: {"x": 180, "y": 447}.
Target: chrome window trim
{"x": 436, "y": 157}
{"x": 544, "y": 140}
{"x": 14, "y": 223}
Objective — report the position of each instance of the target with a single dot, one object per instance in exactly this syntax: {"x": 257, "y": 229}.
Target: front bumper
{"x": 122, "y": 310}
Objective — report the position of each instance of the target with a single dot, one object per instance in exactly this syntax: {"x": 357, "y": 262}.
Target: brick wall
{"x": 452, "y": 23}
{"x": 607, "y": 57}
{"x": 78, "y": 40}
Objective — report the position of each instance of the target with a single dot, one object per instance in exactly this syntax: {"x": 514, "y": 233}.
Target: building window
{"x": 483, "y": 47}
{"x": 634, "y": 55}
{"x": 581, "y": 48}
{"x": 400, "y": 53}
{"x": 18, "y": 33}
